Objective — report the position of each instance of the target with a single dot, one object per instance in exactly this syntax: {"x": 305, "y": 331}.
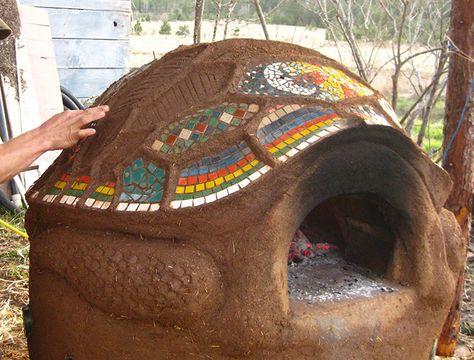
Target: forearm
{"x": 19, "y": 153}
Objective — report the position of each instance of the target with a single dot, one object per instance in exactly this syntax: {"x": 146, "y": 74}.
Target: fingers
{"x": 91, "y": 114}
{"x": 85, "y": 133}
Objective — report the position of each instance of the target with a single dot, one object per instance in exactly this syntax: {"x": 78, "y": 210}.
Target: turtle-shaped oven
{"x": 166, "y": 235}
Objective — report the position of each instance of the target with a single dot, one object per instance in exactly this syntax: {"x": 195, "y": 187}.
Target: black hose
{"x": 70, "y": 101}
{"x": 7, "y": 204}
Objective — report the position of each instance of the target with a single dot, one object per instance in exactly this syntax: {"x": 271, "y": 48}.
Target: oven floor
{"x": 328, "y": 277}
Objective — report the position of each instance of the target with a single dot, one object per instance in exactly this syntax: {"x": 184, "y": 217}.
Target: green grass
{"x": 433, "y": 139}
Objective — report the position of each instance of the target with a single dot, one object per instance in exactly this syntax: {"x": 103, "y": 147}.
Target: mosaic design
{"x": 287, "y": 130}
{"x": 74, "y": 193}
{"x": 388, "y": 109}
{"x": 302, "y": 79}
{"x": 57, "y": 188}
{"x": 369, "y": 114}
{"x": 102, "y": 197}
{"x": 179, "y": 136}
{"x": 218, "y": 176}
{"x": 143, "y": 187}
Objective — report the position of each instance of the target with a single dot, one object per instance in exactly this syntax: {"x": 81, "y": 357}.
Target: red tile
{"x": 212, "y": 176}
{"x": 284, "y": 137}
{"x": 242, "y": 163}
{"x": 183, "y": 181}
{"x": 84, "y": 179}
{"x": 192, "y": 180}
{"x": 239, "y": 113}
{"x": 202, "y": 178}
{"x": 171, "y": 139}
{"x": 221, "y": 172}
{"x": 250, "y": 157}
{"x": 276, "y": 142}
{"x": 64, "y": 177}
{"x": 200, "y": 127}
{"x": 110, "y": 184}
{"x": 232, "y": 168}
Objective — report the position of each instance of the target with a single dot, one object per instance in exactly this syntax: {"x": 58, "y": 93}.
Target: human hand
{"x": 65, "y": 129}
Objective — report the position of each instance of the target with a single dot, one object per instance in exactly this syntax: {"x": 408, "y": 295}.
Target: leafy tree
{"x": 165, "y": 28}
{"x": 183, "y": 30}
{"x": 137, "y": 28}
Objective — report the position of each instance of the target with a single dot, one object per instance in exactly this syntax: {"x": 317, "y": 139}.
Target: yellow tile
{"x": 60, "y": 184}
{"x": 305, "y": 132}
{"x": 281, "y": 145}
{"x": 254, "y": 163}
{"x": 189, "y": 189}
{"x": 219, "y": 181}
{"x": 228, "y": 177}
{"x": 327, "y": 122}
{"x": 100, "y": 189}
{"x": 210, "y": 185}
{"x": 297, "y": 136}
{"x": 179, "y": 189}
{"x": 247, "y": 167}
{"x": 240, "y": 172}
{"x": 200, "y": 187}
{"x": 289, "y": 141}
{"x": 79, "y": 186}
{"x": 313, "y": 128}
{"x": 273, "y": 150}
{"x": 111, "y": 191}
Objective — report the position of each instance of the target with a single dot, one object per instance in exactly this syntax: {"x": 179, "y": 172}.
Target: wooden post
{"x": 261, "y": 16}
{"x": 458, "y": 144}
{"x": 199, "y": 11}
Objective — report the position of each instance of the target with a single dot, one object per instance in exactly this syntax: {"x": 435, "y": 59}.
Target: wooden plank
{"x": 103, "y": 5}
{"x": 32, "y": 15}
{"x": 89, "y": 24}
{"x": 76, "y": 53}
{"x": 85, "y": 83}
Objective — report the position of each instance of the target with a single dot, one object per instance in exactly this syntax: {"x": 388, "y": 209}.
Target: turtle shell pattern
{"x": 198, "y": 127}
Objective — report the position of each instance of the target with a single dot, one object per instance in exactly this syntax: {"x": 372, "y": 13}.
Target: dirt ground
{"x": 14, "y": 295}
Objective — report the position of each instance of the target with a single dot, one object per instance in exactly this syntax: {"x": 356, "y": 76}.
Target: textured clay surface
{"x": 166, "y": 235}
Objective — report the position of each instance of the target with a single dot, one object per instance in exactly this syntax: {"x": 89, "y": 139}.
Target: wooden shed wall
{"x": 91, "y": 41}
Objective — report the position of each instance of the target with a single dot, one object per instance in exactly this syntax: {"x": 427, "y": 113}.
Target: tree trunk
{"x": 227, "y": 18}
{"x": 218, "y": 6}
{"x": 458, "y": 160}
{"x": 261, "y": 16}
{"x": 199, "y": 11}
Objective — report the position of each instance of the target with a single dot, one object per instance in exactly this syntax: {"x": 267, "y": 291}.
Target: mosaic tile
{"x": 181, "y": 135}
{"x": 301, "y": 79}
{"x": 74, "y": 193}
{"x": 57, "y": 188}
{"x": 218, "y": 176}
{"x": 143, "y": 185}
{"x": 294, "y": 128}
{"x": 102, "y": 197}
{"x": 370, "y": 115}
{"x": 388, "y": 109}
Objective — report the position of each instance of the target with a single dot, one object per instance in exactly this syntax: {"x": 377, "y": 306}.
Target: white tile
{"x": 185, "y": 134}
{"x": 273, "y": 117}
{"x": 106, "y": 205}
{"x": 35, "y": 195}
{"x": 253, "y": 108}
{"x": 226, "y": 117}
{"x": 63, "y": 199}
{"x": 186, "y": 203}
{"x": 280, "y": 113}
{"x": 122, "y": 206}
{"x": 302, "y": 146}
{"x": 244, "y": 183}
{"x": 332, "y": 128}
{"x": 143, "y": 207}
{"x": 175, "y": 204}
{"x": 283, "y": 158}
{"x": 211, "y": 198}
{"x": 323, "y": 133}
{"x": 255, "y": 176}
{"x": 154, "y": 207}
{"x": 46, "y": 198}
{"x": 199, "y": 201}
{"x": 97, "y": 204}
{"x": 265, "y": 169}
{"x": 222, "y": 194}
{"x": 292, "y": 153}
{"x": 232, "y": 189}
{"x": 132, "y": 207}
{"x": 157, "y": 145}
{"x": 76, "y": 200}
{"x": 288, "y": 108}
{"x": 70, "y": 200}
{"x": 90, "y": 202}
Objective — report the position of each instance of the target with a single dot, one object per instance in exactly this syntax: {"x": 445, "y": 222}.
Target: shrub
{"x": 183, "y": 30}
{"x": 165, "y": 28}
{"x": 137, "y": 28}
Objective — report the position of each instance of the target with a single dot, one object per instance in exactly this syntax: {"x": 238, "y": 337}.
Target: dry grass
{"x": 13, "y": 290}
{"x": 14, "y": 295}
